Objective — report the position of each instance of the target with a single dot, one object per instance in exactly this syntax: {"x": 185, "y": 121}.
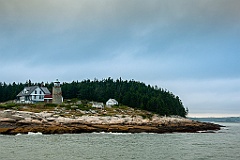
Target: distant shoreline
{"x": 212, "y": 115}
{"x": 13, "y": 122}
{"x": 222, "y": 119}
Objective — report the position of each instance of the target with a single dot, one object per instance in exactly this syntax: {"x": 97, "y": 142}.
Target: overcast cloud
{"x": 189, "y": 47}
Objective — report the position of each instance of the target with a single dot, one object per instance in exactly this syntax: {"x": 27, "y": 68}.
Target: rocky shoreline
{"x": 13, "y": 122}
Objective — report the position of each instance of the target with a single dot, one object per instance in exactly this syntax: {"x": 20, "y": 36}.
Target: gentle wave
{"x": 30, "y": 133}
{"x": 33, "y": 133}
{"x": 117, "y": 133}
{"x": 113, "y": 133}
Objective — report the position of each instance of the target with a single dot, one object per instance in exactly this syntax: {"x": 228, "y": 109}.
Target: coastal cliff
{"x": 14, "y": 122}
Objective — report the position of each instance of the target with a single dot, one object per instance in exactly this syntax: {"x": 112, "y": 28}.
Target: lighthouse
{"x": 57, "y": 93}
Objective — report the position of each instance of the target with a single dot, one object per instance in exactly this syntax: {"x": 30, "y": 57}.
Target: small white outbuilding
{"x": 111, "y": 102}
{"x": 97, "y": 105}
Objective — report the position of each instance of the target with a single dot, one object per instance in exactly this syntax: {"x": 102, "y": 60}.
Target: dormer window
{"x": 25, "y": 91}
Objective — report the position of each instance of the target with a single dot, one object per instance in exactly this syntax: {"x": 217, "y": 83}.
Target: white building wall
{"x": 37, "y": 95}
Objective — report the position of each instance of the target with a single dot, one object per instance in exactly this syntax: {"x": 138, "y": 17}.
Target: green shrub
{"x": 3, "y": 106}
{"x": 68, "y": 106}
{"x": 147, "y": 116}
{"x": 8, "y": 105}
{"x": 84, "y": 107}
{"x": 123, "y": 107}
{"x": 11, "y": 105}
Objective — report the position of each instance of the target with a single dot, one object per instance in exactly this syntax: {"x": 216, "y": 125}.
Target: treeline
{"x": 131, "y": 93}
{"x": 10, "y": 91}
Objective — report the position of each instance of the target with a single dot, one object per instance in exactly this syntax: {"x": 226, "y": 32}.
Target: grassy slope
{"x": 72, "y": 109}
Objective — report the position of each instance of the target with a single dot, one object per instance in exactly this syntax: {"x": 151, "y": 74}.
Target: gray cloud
{"x": 149, "y": 41}
{"x": 219, "y": 96}
{"x": 61, "y": 16}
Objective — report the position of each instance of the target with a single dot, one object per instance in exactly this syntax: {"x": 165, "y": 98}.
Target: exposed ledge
{"x": 14, "y": 122}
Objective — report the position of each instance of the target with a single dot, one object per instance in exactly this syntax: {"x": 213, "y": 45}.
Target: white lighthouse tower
{"x": 57, "y": 93}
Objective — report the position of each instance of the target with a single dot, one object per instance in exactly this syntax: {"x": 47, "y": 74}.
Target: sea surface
{"x": 222, "y": 145}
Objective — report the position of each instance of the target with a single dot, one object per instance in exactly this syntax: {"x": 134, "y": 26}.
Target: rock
{"x": 74, "y": 107}
{"x": 50, "y": 119}
{"x": 4, "y": 130}
{"x": 10, "y": 120}
{"x": 44, "y": 114}
{"x": 13, "y": 122}
{"x": 56, "y": 116}
{"x": 29, "y": 121}
{"x": 17, "y": 117}
{"x": 6, "y": 113}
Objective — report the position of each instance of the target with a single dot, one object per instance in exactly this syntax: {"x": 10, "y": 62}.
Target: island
{"x": 93, "y": 106}
{"x": 58, "y": 120}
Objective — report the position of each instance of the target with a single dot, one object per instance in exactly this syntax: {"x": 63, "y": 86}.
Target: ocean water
{"x": 223, "y": 145}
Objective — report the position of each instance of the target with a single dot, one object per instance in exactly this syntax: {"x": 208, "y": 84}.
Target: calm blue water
{"x": 224, "y": 145}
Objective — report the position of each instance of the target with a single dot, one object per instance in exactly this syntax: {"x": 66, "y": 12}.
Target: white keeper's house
{"x": 33, "y": 94}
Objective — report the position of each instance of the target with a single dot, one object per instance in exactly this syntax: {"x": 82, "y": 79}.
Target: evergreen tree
{"x": 131, "y": 93}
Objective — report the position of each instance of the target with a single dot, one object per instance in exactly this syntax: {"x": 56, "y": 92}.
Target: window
{"x": 35, "y": 97}
{"x": 40, "y": 92}
{"x": 35, "y": 92}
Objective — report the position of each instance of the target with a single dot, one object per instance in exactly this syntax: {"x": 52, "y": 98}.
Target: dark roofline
{"x": 31, "y": 89}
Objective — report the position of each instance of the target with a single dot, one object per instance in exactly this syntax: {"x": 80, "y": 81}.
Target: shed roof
{"x": 112, "y": 100}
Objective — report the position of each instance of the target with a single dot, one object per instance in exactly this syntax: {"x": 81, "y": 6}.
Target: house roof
{"x": 45, "y": 90}
{"x": 28, "y": 90}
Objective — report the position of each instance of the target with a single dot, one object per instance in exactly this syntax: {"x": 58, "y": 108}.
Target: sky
{"x": 188, "y": 47}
